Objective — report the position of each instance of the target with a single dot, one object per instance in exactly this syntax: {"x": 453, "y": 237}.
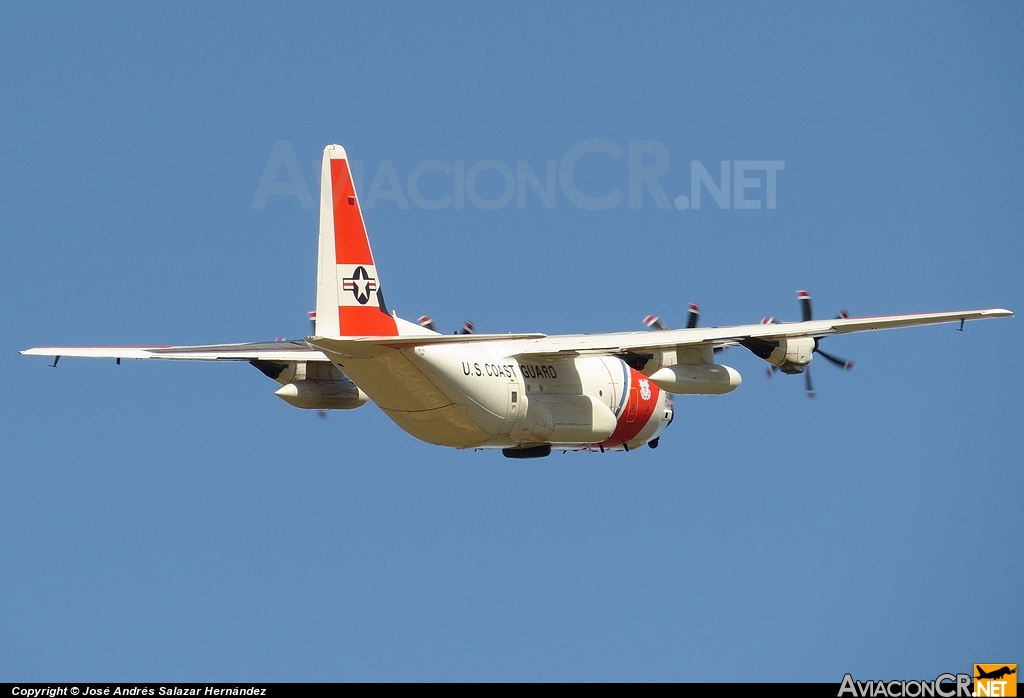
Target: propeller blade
{"x": 654, "y": 322}
{"x": 808, "y": 385}
{"x": 843, "y": 314}
{"x": 428, "y": 323}
{"x": 691, "y": 320}
{"x": 770, "y": 371}
{"x": 844, "y": 364}
{"x": 805, "y": 304}
{"x": 467, "y": 328}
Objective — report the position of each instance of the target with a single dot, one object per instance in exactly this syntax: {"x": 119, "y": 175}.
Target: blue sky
{"x": 176, "y": 521}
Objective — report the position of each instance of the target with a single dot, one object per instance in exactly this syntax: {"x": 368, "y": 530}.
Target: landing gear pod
{"x": 528, "y": 452}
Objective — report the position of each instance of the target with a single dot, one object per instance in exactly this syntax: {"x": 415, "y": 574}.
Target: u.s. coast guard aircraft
{"x": 523, "y": 393}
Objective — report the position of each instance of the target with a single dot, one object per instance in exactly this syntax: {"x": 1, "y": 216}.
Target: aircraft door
{"x": 513, "y": 407}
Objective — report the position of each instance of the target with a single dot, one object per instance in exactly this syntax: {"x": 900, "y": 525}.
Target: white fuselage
{"x": 478, "y": 396}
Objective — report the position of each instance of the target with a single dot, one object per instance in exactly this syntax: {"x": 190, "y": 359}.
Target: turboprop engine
{"x": 790, "y": 355}
{"x": 793, "y": 354}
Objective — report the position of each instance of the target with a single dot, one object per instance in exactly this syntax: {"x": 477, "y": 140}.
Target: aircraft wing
{"x": 294, "y": 350}
{"x": 522, "y": 344}
{"x": 718, "y": 337}
{"x": 645, "y": 342}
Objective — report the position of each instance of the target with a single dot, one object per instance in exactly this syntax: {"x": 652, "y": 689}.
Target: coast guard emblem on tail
{"x": 360, "y": 284}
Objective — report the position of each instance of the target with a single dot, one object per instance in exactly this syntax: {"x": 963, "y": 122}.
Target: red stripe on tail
{"x": 365, "y": 321}
{"x": 351, "y": 245}
{"x": 360, "y": 317}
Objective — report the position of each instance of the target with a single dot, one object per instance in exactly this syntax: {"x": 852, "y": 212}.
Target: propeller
{"x": 842, "y": 363}
{"x": 807, "y": 314}
{"x": 809, "y": 385}
{"x": 428, "y": 322}
{"x": 693, "y": 316}
{"x": 654, "y": 322}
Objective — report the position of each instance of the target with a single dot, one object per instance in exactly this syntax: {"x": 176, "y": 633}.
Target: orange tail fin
{"x": 349, "y": 302}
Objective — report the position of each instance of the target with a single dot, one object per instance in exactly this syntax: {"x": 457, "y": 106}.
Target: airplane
{"x": 524, "y": 393}
{"x": 996, "y": 674}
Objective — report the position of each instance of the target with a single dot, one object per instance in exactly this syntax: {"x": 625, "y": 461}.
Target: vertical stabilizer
{"x": 349, "y": 302}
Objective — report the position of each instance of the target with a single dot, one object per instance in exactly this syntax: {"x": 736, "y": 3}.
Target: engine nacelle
{"x": 697, "y": 379}
{"x": 322, "y": 395}
{"x": 793, "y": 354}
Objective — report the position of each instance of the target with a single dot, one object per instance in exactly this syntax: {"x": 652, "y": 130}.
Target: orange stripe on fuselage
{"x": 351, "y": 245}
{"x": 635, "y": 413}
